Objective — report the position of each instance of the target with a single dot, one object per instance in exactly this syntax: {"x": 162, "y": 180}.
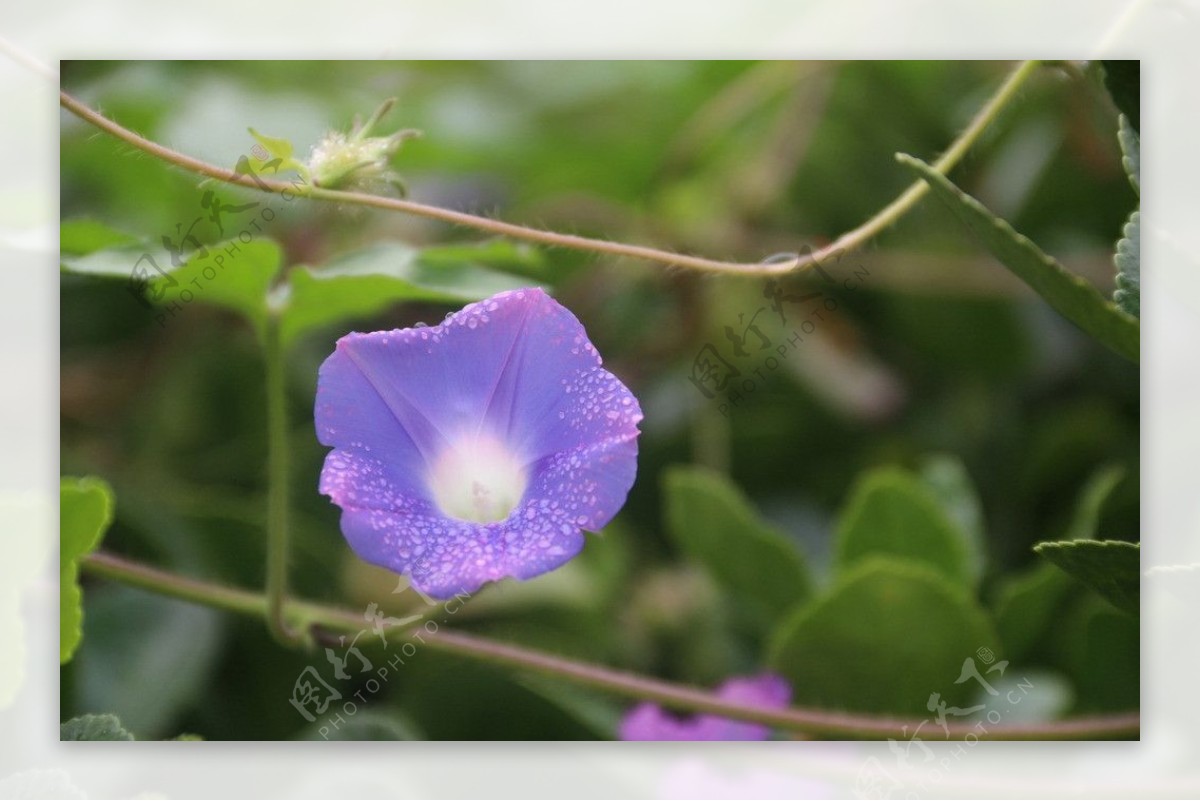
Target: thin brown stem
{"x": 852, "y": 240}
{"x": 815, "y": 722}
{"x": 486, "y": 224}
{"x": 773, "y": 266}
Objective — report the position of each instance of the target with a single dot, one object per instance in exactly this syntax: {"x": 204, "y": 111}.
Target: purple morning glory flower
{"x": 650, "y": 722}
{"x": 477, "y": 449}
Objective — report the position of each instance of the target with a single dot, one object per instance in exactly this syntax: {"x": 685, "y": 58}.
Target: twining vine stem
{"x": 813, "y": 722}
{"x": 773, "y": 266}
{"x": 277, "y": 485}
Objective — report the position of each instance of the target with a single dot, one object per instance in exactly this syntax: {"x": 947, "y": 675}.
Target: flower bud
{"x": 358, "y": 160}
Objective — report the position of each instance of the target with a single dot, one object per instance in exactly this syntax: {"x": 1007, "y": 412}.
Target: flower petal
{"x": 353, "y": 415}
{"x": 517, "y": 369}
{"x": 404, "y": 532}
{"x": 648, "y": 721}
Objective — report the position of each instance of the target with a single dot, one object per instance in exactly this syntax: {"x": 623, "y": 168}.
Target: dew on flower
{"x": 447, "y": 446}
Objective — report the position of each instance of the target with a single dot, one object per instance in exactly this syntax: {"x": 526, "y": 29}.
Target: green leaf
{"x": 515, "y": 258}
{"x": 1091, "y": 501}
{"x": 93, "y": 727}
{"x": 947, "y": 477}
{"x": 280, "y": 148}
{"x": 1068, "y": 294}
{"x": 710, "y": 520}
{"x": 84, "y": 236}
{"x": 367, "y": 282}
{"x": 1111, "y": 567}
{"x": 117, "y": 262}
{"x": 1027, "y": 605}
{"x": 1128, "y": 260}
{"x": 888, "y": 635}
{"x": 1124, "y": 82}
{"x": 87, "y": 247}
{"x": 276, "y": 148}
{"x": 1100, "y": 650}
{"x": 892, "y": 513}
{"x": 1131, "y": 152}
{"x": 85, "y": 513}
{"x": 597, "y": 712}
{"x": 232, "y": 274}
{"x": 365, "y": 725}
{"x": 148, "y": 658}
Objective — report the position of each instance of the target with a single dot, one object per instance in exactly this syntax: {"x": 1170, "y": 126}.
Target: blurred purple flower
{"x": 477, "y": 449}
{"x": 650, "y": 722}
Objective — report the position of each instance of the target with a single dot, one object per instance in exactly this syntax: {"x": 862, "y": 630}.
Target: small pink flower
{"x": 650, "y": 722}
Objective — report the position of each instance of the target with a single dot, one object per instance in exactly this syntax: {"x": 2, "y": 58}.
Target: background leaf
{"x": 947, "y": 477}
{"x": 80, "y": 237}
{"x": 892, "y": 513}
{"x": 1128, "y": 259}
{"x": 93, "y": 727}
{"x": 598, "y": 712}
{"x": 1111, "y": 567}
{"x": 365, "y": 725}
{"x": 712, "y": 522}
{"x": 887, "y": 635}
{"x": 104, "y": 262}
{"x": 1027, "y": 605}
{"x": 86, "y": 511}
{"x": 1124, "y": 82}
{"x": 1069, "y": 295}
{"x": 1099, "y": 487}
{"x": 277, "y": 149}
{"x": 233, "y": 274}
{"x": 363, "y": 283}
{"x": 148, "y": 659}
{"x": 1100, "y": 650}
{"x": 1131, "y": 152}
{"x": 274, "y": 145}
{"x": 1030, "y": 606}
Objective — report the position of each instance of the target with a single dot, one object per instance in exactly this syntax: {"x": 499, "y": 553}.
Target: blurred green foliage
{"x": 86, "y": 512}
{"x": 909, "y": 450}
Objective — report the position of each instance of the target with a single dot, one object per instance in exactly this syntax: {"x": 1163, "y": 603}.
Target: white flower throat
{"x": 478, "y": 480}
